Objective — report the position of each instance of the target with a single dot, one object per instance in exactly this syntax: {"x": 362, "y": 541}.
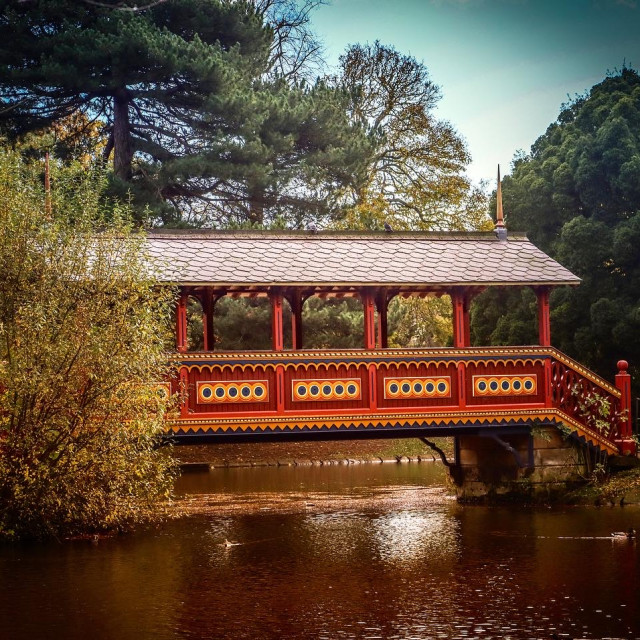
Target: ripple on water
{"x": 367, "y": 552}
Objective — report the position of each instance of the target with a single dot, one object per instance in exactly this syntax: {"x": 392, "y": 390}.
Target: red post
{"x": 544, "y": 322}
{"x": 181, "y": 322}
{"x": 277, "y": 340}
{"x": 460, "y": 320}
{"x": 369, "y": 321}
{"x": 624, "y": 440}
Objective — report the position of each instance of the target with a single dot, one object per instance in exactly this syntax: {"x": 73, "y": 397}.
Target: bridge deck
{"x": 358, "y": 393}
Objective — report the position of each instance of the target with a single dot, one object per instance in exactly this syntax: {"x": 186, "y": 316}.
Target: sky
{"x": 504, "y": 67}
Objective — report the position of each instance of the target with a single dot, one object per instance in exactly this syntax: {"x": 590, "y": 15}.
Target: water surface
{"x": 359, "y": 551}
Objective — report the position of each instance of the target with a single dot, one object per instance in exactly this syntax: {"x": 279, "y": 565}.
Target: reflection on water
{"x": 369, "y": 551}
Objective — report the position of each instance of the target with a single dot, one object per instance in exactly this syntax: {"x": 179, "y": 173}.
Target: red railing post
{"x": 548, "y": 382}
{"x": 624, "y": 440}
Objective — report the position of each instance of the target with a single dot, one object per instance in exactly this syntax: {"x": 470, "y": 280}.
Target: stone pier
{"x": 525, "y": 465}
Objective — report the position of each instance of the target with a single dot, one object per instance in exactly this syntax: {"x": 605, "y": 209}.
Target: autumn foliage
{"x": 81, "y": 329}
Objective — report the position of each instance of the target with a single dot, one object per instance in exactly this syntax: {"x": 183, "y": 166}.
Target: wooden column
{"x": 381, "y": 304}
{"x": 208, "y": 304}
{"x": 296, "y": 302}
{"x": 544, "y": 322}
{"x": 181, "y": 322}
{"x": 459, "y": 300}
{"x": 624, "y": 438}
{"x": 277, "y": 337}
{"x": 369, "y": 305}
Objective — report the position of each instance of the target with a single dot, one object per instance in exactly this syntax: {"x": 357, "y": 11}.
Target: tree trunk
{"x": 123, "y": 149}
{"x": 256, "y": 204}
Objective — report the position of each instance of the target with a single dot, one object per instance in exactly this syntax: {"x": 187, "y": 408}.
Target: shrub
{"x": 82, "y": 328}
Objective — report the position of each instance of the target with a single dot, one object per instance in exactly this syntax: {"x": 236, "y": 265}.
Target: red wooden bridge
{"x": 376, "y": 391}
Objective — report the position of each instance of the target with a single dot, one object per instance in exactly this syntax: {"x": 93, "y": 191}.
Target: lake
{"x": 339, "y": 551}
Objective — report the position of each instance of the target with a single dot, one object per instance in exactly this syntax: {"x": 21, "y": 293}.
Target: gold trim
{"x": 228, "y": 384}
{"x": 290, "y": 423}
{"x": 433, "y": 357}
{"x": 321, "y": 396}
{"x": 402, "y": 395}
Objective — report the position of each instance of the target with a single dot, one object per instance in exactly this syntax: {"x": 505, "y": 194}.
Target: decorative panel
{"x": 403, "y": 388}
{"x": 223, "y": 391}
{"x": 319, "y": 390}
{"x": 505, "y": 385}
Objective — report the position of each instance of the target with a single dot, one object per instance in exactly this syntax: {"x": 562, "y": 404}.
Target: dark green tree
{"x": 196, "y": 125}
{"x": 577, "y": 195}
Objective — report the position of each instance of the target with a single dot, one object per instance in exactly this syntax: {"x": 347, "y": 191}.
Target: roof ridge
{"x": 162, "y": 233}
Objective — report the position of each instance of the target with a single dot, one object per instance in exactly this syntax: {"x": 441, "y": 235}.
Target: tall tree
{"x": 414, "y": 177}
{"x": 193, "y": 118}
{"x": 577, "y": 195}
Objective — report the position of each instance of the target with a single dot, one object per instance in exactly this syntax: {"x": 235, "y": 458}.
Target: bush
{"x": 82, "y": 326}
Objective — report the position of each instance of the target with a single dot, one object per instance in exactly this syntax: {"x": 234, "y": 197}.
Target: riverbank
{"x": 621, "y": 488}
{"x": 307, "y": 453}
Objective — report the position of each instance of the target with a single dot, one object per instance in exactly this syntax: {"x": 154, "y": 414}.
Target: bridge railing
{"x": 506, "y": 382}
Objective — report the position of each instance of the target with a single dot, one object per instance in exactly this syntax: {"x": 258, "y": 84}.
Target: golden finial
{"x": 501, "y": 230}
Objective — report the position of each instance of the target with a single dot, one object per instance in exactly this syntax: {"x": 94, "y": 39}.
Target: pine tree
{"x": 193, "y": 120}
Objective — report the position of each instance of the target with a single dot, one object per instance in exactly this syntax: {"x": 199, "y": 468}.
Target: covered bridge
{"x": 495, "y": 393}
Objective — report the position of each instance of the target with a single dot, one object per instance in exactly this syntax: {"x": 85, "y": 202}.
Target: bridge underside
{"x": 352, "y": 431}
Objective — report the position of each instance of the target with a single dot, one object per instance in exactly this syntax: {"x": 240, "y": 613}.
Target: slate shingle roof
{"x": 394, "y": 259}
